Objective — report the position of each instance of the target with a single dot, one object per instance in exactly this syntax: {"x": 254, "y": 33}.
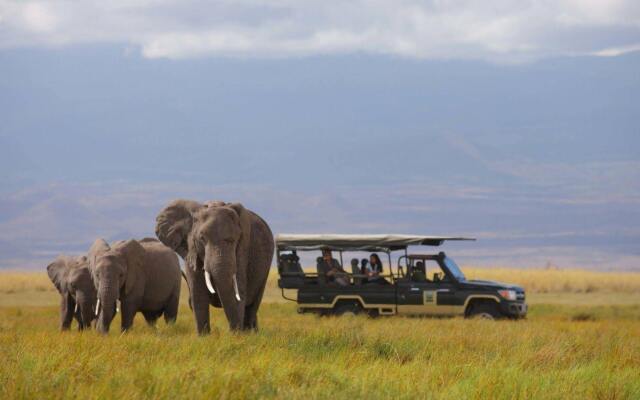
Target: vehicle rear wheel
{"x": 486, "y": 311}
{"x": 347, "y": 309}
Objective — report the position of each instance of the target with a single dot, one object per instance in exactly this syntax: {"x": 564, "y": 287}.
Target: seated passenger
{"x": 363, "y": 266}
{"x": 419, "y": 273}
{"x": 363, "y": 269}
{"x": 330, "y": 269}
{"x": 374, "y": 270}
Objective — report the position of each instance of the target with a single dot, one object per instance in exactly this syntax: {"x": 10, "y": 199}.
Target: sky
{"x": 514, "y": 122}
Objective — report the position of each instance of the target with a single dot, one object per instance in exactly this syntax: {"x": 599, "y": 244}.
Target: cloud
{"x": 617, "y": 51}
{"x": 495, "y": 30}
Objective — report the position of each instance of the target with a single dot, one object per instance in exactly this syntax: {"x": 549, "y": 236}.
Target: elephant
{"x": 144, "y": 275}
{"x": 227, "y": 251}
{"x": 72, "y": 278}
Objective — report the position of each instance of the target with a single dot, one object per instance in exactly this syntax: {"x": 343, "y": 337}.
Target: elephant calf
{"x": 72, "y": 278}
{"x": 144, "y": 275}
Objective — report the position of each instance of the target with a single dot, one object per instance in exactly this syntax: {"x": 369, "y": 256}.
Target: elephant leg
{"x": 171, "y": 310}
{"x": 251, "y": 313}
{"x": 128, "y": 311}
{"x": 233, "y": 309}
{"x": 67, "y": 308}
{"x": 150, "y": 317}
{"x": 200, "y": 301}
{"x": 78, "y": 316}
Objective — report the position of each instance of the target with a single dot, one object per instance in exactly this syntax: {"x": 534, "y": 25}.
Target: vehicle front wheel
{"x": 486, "y": 311}
{"x": 347, "y": 309}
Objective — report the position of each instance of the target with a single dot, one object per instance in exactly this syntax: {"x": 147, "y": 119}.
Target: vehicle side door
{"x": 428, "y": 297}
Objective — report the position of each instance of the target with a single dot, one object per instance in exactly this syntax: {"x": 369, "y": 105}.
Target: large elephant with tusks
{"x": 227, "y": 251}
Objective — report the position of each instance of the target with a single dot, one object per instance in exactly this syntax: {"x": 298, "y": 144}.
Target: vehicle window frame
{"x": 447, "y": 270}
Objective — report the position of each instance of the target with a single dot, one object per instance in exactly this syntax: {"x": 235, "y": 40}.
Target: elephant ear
{"x": 191, "y": 258}
{"x": 58, "y": 271}
{"x": 242, "y": 250}
{"x": 174, "y": 225}
{"x": 133, "y": 254}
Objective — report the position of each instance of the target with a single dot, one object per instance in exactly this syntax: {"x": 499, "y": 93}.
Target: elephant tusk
{"x": 76, "y": 309}
{"x": 117, "y": 308}
{"x": 98, "y": 307}
{"x": 235, "y": 286}
{"x": 207, "y": 279}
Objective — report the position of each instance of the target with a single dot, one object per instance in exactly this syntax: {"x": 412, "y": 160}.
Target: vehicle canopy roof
{"x": 343, "y": 242}
{"x": 423, "y": 256}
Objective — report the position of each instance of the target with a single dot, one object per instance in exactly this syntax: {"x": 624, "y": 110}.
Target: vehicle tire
{"x": 347, "y": 309}
{"x": 486, "y": 311}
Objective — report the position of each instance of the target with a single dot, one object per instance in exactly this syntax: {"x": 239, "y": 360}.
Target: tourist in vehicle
{"x": 331, "y": 270}
{"x": 363, "y": 265}
{"x": 363, "y": 269}
{"x": 374, "y": 269}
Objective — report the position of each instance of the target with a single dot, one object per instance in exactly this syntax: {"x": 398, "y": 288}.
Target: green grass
{"x": 569, "y": 347}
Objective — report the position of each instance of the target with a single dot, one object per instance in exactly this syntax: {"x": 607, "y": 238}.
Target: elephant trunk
{"x": 220, "y": 268}
{"x": 85, "y": 304}
{"x": 107, "y": 297}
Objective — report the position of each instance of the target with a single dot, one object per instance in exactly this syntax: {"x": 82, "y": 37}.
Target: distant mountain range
{"x": 540, "y": 161}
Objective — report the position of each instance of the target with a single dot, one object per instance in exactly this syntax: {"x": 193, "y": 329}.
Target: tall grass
{"x": 533, "y": 280}
{"x": 303, "y": 356}
{"x": 560, "y": 280}
{"x": 17, "y": 281}
{"x": 560, "y": 351}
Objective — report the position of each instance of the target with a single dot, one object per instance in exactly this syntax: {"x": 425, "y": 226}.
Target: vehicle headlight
{"x": 508, "y": 294}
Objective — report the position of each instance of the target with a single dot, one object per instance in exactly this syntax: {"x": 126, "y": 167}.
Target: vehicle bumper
{"x": 514, "y": 309}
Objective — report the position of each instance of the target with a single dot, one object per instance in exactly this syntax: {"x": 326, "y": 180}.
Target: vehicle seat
{"x": 290, "y": 265}
{"x": 355, "y": 270}
{"x": 291, "y": 272}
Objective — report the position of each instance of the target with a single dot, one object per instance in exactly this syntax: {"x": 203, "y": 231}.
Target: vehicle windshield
{"x": 455, "y": 270}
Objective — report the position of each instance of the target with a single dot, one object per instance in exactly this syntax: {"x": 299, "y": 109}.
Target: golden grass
{"x": 303, "y": 356}
{"x": 561, "y": 351}
{"x": 17, "y": 281}
{"x": 560, "y": 280}
{"x": 533, "y": 280}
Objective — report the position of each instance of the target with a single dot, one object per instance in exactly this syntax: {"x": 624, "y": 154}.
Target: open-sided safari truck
{"x": 420, "y": 284}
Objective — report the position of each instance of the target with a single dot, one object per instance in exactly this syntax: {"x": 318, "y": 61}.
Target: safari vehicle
{"x": 420, "y": 284}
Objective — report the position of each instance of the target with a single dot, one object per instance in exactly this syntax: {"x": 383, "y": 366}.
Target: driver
{"x": 419, "y": 273}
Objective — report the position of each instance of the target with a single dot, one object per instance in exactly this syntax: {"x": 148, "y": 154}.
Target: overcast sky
{"x": 516, "y": 122}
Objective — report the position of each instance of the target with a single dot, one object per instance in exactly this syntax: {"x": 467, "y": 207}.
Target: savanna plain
{"x": 581, "y": 340}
